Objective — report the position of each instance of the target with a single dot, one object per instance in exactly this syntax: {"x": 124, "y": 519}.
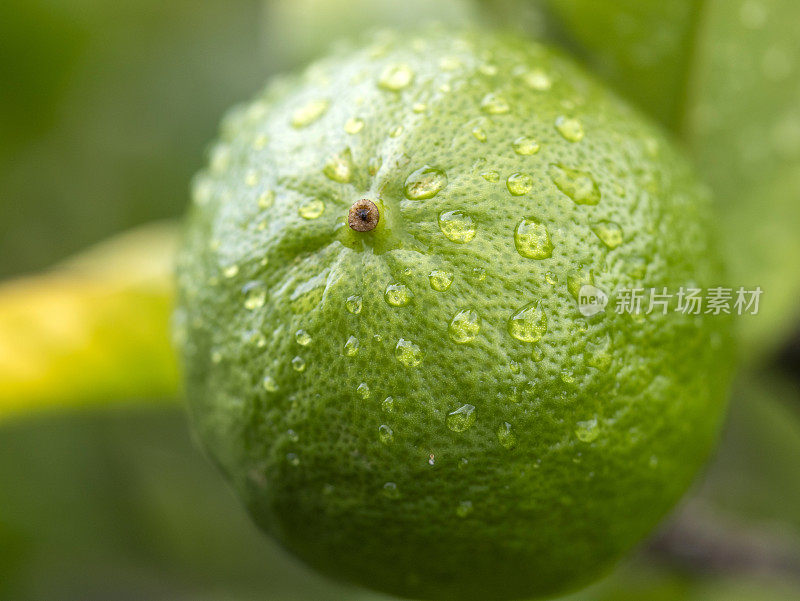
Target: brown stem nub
{"x": 364, "y": 216}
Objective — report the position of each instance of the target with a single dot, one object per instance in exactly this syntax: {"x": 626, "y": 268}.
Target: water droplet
{"x": 385, "y": 434}
{"x": 464, "y": 509}
{"x": 425, "y": 182}
{"x": 293, "y": 459}
{"x": 299, "y": 364}
{"x": 578, "y": 279}
{"x": 493, "y": 104}
{"x": 353, "y": 125}
{"x": 528, "y": 324}
{"x": 307, "y": 114}
{"x": 408, "y": 353}
{"x": 419, "y": 107}
{"x": 551, "y": 278}
{"x": 598, "y": 354}
{"x": 567, "y": 376}
{"x": 465, "y": 326}
{"x": 506, "y": 437}
{"x": 533, "y": 240}
{"x": 461, "y": 419}
{"x": 397, "y": 295}
{"x": 587, "y": 431}
{"x": 395, "y": 133}
{"x": 479, "y": 274}
{"x": 525, "y": 146}
{"x": 266, "y": 199}
{"x": 491, "y": 176}
{"x": 363, "y": 390}
{"x": 479, "y": 133}
{"x": 251, "y": 179}
{"x": 578, "y": 185}
{"x": 570, "y": 129}
{"x": 230, "y": 271}
{"x": 537, "y": 80}
{"x": 388, "y": 404}
{"x": 339, "y": 167}
{"x": 440, "y": 280}
{"x": 292, "y": 435}
{"x": 351, "y": 347}
{"x": 269, "y": 384}
{"x": 302, "y": 337}
{"x": 255, "y": 295}
{"x": 609, "y": 232}
{"x": 457, "y": 226}
{"x": 353, "y": 304}
{"x": 312, "y": 209}
{"x": 519, "y": 183}
{"x": 390, "y": 490}
{"x": 395, "y": 77}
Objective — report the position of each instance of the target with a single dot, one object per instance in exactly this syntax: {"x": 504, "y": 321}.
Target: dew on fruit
{"x": 419, "y": 107}
{"x": 385, "y": 434}
{"x": 351, "y": 347}
{"x": 440, "y": 280}
{"x": 528, "y": 324}
{"x": 525, "y": 146}
{"x": 537, "y": 80}
{"x": 479, "y": 133}
{"x": 464, "y": 327}
{"x": 478, "y": 274}
{"x": 587, "y": 431}
{"x": 353, "y": 304}
{"x": 494, "y": 104}
{"x": 312, "y": 209}
{"x": 598, "y": 353}
{"x": 266, "y": 199}
{"x": 255, "y": 295}
{"x": 532, "y": 239}
{"x": 302, "y": 337}
{"x": 519, "y": 183}
{"x": 339, "y": 168}
{"x": 551, "y": 278}
{"x": 408, "y": 353}
{"x": 397, "y": 295}
{"x": 363, "y": 390}
{"x": 579, "y": 185}
{"x": 269, "y": 384}
{"x": 461, "y": 419}
{"x": 464, "y": 508}
{"x": 506, "y": 436}
{"x": 292, "y": 435}
{"x": 299, "y": 364}
{"x": 570, "y": 129}
{"x": 567, "y": 376}
{"x": 396, "y": 77}
{"x": 577, "y": 279}
{"x": 425, "y": 182}
{"x": 491, "y": 176}
{"x": 308, "y": 113}
{"x": 388, "y": 404}
{"x": 396, "y": 132}
{"x": 457, "y": 226}
{"x": 353, "y": 125}
{"x": 609, "y": 233}
{"x": 293, "y": 459}
{"x": 231, "y": 271}
{"x": 390, "y": 490}
{"x": 537, "y": 354}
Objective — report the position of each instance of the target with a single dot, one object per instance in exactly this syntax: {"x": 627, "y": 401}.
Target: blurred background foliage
{"x": 106, "y": 109}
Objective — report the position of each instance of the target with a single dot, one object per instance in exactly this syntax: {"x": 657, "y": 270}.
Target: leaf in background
{"x": 93, "y": 329}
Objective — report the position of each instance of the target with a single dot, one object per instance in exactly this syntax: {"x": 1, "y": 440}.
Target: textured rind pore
{"x": 422, "y": 408}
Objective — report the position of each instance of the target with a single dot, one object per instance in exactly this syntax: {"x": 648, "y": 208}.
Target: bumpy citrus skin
{"x": 422, "y": 408}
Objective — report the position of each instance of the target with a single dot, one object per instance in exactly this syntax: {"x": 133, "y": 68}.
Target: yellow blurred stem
{"x": 92, "y": 331}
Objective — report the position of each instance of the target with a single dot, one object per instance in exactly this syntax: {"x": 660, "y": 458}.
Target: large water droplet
{"x": 465, "y": 326}
{"x": 525, "y": 146}
{"x": 255, "y": 295}
{"x": 528, "y": 324}
{"x": 353, "y": 304}
{"x": 385, "y": 434}
{"x": 425, "y": 182}
{"x": 506, "y": 437}
{"x": 609, "y": 232}
{"x": 580, "y": 186}
{"x": 397, "y": 295}
{"x": 299, "y": 364}
{"x": 395, "y": 77}
{"x": 312, "y": 209}
{"x": 587, "y": 431}
{"x": 363, "y": 390}
{"x": 519, "y": 183}
{"x": 493, "y": 104}
{"x": 351, "y": 347}
{"x": 440, "y": 280}
{"x": 408, "y": 353}
{"x": 302, "y": 337}
{"x": 570, "y": 129}
{"x": 461, "y": 419}
{"x": 308, "y": 113}
{"x": 339, "y": 167}
{"x": 533, "y": 240}
{"x": 353, "y": 125}
{"x": 457, "y": 226}
{"x": 269, "y": 384}
{"x": 388, "y": 404}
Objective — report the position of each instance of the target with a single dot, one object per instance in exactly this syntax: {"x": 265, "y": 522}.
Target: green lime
{"x": 393, "y": 327}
